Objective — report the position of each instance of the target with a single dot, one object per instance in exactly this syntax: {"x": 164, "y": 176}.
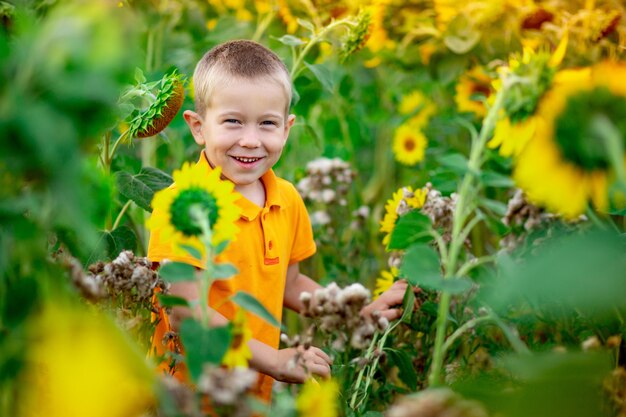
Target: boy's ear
{"x": 290, "y": 121}
{"x": 194, "y": 121}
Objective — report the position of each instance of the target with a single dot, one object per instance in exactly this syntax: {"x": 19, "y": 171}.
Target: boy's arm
{"x": 296, "y": 284}
{"x": 273, "y": 362}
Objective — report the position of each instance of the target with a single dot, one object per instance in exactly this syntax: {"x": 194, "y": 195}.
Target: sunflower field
{"x": 476, "y": 149}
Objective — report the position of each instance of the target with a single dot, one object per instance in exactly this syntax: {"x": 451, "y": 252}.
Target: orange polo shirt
{"x": 270, "y": 239}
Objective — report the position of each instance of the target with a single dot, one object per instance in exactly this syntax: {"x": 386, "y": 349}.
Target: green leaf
{"x": 455, "y": 162}
{"x": 111, "y": 244}
{"x": 177, "y": 272}
{"x": 290, "y": 40}
{"x": 306, "y": 24}
{"x": 221, "y": 246}
{"x": 203, "y": 345}
{"x": 191, "y": 251}
{"x": 224, "y": 271}
{"x": 139, "y": 77}
{"x": 567, "y": 275}
{"x": 323, "y": 74}
{"x": 497, "y": 207}
{"x": 493, "y": 179}
{"x": 420, "y": 261}
{"x": 408, "y": 302}
{"x": 141, "y": 187}
{"x": 253, "y": 305}
{"x": 404, "y": 363}
{"x": 410, "y": 228}
{"x": 166, "y": 300}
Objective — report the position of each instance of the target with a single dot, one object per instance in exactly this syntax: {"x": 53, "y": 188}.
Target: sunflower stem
{"x": 613, "y": 142}
{"x": 461, "y": 212}
{"x": 201, "y": 217}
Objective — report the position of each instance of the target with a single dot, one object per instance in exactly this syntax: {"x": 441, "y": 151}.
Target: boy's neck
{"x": 255, "y": 192}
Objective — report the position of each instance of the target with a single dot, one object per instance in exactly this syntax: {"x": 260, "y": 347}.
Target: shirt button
{"x": 271, "y": 245}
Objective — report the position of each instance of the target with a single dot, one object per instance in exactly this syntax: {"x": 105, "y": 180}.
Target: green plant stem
{"x": 263, "y": 25}
{"x": 372, "y": 367}
{"x": 121, "y": 215}
{"x": 205, "y": 277}
{"x": 295, "y": 69}
{"x": 359, "y": 378}
{"x": 466, "y": 194}
{"x": 613, "y": 143}
{"x": 462, "y": 329}
{"x": 473, "y": 263}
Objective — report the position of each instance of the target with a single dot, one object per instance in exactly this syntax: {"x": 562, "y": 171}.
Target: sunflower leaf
{"x": 177, "y": 272}
{"x": 224, "y": 271}
{"x": 203, "y": 345}
{"x": 166, "y": 300}
{"x": 140, "y": 188}
{"x": 253, "y": 305}
{"x": 410, "y": 228}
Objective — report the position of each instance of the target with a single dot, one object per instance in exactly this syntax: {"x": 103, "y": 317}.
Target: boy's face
{"x": 244, "y": 128}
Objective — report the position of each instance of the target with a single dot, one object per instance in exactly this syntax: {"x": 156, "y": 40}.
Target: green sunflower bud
{"x": 164, "y": 105}
{"x": 357, "y": 36}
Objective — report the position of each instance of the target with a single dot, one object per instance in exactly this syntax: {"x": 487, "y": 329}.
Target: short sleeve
{"x": 303, "y": 242}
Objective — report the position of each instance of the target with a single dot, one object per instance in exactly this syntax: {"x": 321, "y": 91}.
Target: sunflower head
{"x": 239, "y": 352}
{"x": 473, "y": 88}
{"x": 573, "y": 155}
{"x": 536, "y": 74}
{"x": 401, "y": 202}
{"x": 385, "y": 281}
{"x": 409, "y": 144}
{"x": 357, "y": 36}
{"x": 199, "y": 200}
{"x": 318, "y": 399}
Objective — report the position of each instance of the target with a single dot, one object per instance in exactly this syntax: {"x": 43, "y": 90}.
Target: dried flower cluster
{"x": 441, "y": 402}
{"x": 521, "y": 213}
{"x": 127, "y": 278}
{"x": 337, "y": 312}
{"x": 440, "y": 210}
{"x": 327, "y": 181}
{"x": 227, "y": 387}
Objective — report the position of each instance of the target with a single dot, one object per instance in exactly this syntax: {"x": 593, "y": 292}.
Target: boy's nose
{"x": 250, "y": 139}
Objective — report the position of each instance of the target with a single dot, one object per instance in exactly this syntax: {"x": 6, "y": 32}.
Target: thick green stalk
{"x": 461, "y": 213}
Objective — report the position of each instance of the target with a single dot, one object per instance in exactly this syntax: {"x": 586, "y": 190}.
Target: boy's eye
{"x": 231, "y": 121}
{"x": 269, "y": 123}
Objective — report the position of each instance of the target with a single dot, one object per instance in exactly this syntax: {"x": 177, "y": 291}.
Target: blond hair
{"x": 237, "y": 59}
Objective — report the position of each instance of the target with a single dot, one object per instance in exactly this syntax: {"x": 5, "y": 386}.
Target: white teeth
{"x": 246, "y": 160}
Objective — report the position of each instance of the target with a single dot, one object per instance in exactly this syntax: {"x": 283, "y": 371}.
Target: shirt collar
{"x": 249, "y": 210}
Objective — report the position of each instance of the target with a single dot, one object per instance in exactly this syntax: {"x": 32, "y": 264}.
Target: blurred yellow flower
{"x": 472, "y": 90}
{"x": 318, "y": 399}
{"x": 384, "y": 282}
{"x": 79, "y": 364}
{"x": 402, "y": 201}
{"x": 378, "y": 37}
{"x": 568, "y": 163}
{"x": 239, "y": 352}
{"x": 409, "y": 144}
{"x": 195, "y": 186}
{"x": 284, "y": 12}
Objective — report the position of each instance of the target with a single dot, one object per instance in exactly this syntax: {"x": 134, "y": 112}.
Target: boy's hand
{"x": 387, "y": 300}
{"x": 296, "y": 365}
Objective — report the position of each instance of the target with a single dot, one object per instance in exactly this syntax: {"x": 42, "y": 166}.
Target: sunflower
{"x": 384, "y": 281}
{"x": 518, "y": 122}
{"x": 318, "y": 399}
{"x": 239, "y": 352}
{"x": 473, "y": 88}
{"x": 417, "y": 105}
{"x": 568, "y": 163}
{"x": 409, "y": 144}
{"x": 194, "y": 186}
{"x": 403, "y": 200}
{"x": 80, "y": 364}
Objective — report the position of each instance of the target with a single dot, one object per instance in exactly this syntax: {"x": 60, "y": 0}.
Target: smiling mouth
{"x": 246, "y": 160}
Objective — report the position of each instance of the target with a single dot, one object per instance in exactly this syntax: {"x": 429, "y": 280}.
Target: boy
{"x": 242, "y": 97}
